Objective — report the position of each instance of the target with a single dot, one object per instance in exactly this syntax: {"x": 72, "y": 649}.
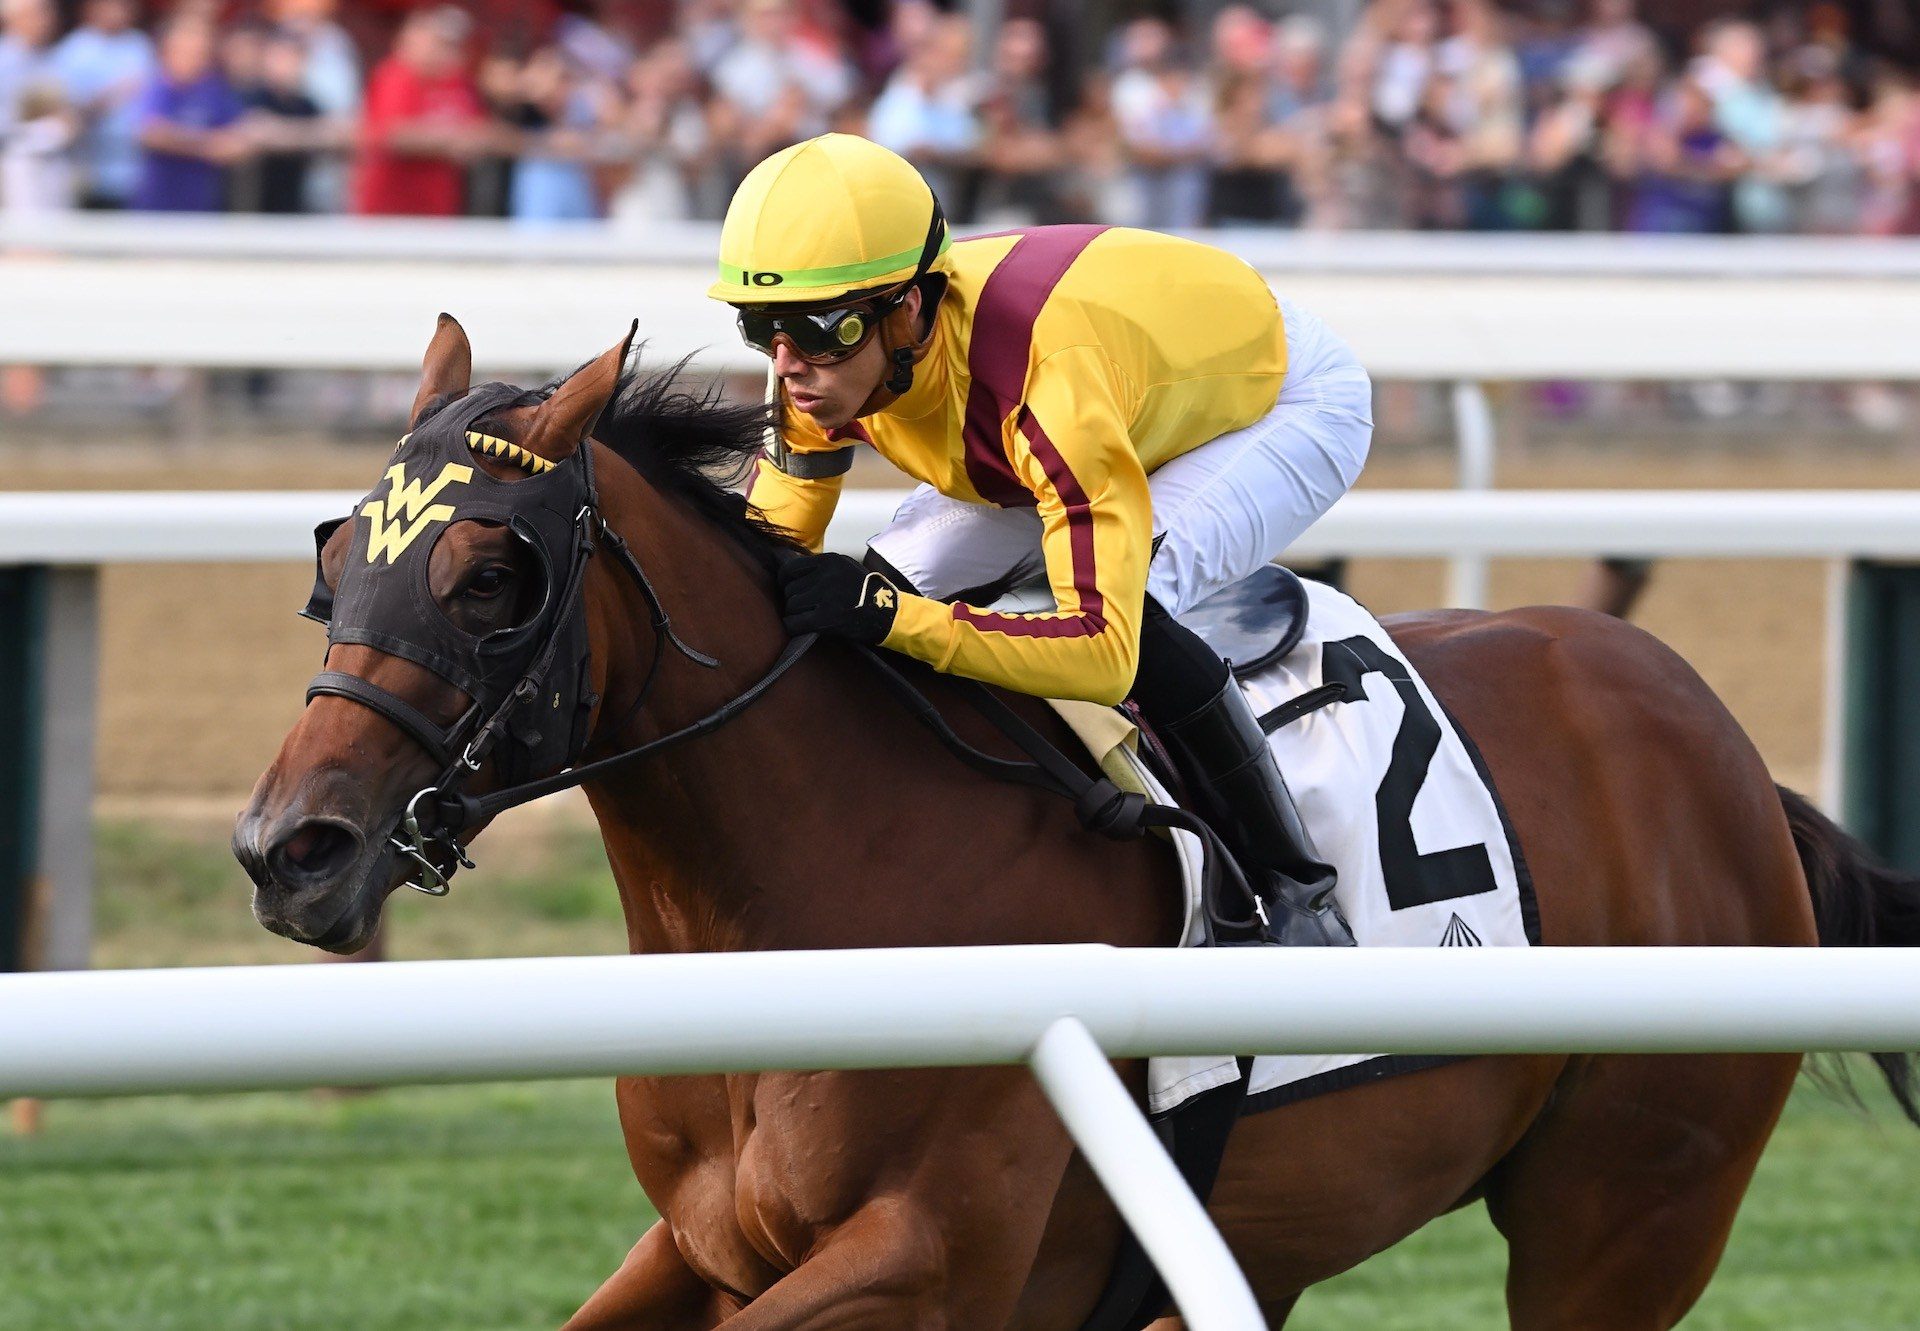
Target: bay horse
{"x": 825, "y": 816}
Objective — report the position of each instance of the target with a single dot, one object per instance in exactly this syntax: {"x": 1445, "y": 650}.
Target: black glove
{"x": 837, "y": 595}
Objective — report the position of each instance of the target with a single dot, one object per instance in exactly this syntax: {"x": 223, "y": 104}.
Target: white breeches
{"x": 1219, "y": 511}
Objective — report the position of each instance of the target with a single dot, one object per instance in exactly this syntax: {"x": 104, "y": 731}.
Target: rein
{"x": 474, "y": 808}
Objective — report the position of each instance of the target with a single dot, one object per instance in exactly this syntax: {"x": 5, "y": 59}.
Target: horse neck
{"x": 673, "y": 825}
{"x": 823, "y": 815}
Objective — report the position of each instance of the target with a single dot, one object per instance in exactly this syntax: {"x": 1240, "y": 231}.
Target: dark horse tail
{"x": 1858, "y": 902}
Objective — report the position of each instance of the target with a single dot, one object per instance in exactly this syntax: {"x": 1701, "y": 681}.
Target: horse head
{"x": 453, "y": 594}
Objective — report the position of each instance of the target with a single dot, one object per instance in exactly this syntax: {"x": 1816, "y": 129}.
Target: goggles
{"x": 819, "y": 337}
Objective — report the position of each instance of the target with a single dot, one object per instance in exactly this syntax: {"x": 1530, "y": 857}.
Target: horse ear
{"x": 565, "y": 419}
{"x": 447, "y": 370}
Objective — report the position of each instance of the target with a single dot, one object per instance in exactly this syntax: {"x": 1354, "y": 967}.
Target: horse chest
{"x": 741, "y": 1169}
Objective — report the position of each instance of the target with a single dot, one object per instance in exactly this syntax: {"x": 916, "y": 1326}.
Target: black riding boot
{"x": 1223, "y": 754}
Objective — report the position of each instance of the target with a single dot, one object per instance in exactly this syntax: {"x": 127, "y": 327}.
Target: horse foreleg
{"x": 884, "y": 1269}
{"x": 654, "y": 1290}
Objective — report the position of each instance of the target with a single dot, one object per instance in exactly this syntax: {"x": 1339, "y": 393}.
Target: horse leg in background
{"x": 654, "y": 1290}
{"x": 1649, "y": 820}
{"x": 1617, "y": 1206}
{"x": 1614, "y": 586}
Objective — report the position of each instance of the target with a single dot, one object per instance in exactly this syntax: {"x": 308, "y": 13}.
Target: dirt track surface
{"x": 204, "y": 664}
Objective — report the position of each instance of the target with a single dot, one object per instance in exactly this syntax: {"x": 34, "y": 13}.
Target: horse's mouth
{"x": 359, "y": 898}
{"x": 346, "y": 937}
{"x": 343, "y": 932}
{"x": 358, "y": 902}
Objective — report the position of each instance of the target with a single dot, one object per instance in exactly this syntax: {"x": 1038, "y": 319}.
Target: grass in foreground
{"x": 488, "y": 1207}
{"x": 504, "y": 1206}
{"x": 1828, "y": 1237}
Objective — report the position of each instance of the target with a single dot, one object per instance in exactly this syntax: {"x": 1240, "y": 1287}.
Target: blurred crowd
{"x": 1462, "y": 114}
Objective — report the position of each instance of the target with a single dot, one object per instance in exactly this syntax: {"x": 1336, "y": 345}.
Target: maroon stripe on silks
{"x": 851, "y": 430}
{"x": 1092, "y": 618}
{"x": 1015, "y": 626}
{"x": 1079, "y": 511}
{"x": 1009, "y": 302}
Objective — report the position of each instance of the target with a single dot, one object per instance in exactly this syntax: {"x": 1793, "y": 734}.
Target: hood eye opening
{"x": 498, "y": 577}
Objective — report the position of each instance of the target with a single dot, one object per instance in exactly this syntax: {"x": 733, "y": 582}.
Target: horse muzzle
{"x": 317, "y": 879}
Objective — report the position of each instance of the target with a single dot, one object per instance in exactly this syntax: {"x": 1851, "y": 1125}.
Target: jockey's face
{"x": 831, "y": 394}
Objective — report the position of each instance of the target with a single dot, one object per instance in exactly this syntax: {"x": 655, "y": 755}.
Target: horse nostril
{"x": 315, "y": 851}
{"x": 251, "y": 859}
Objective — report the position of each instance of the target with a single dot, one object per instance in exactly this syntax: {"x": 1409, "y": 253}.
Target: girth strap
{"x": 1311, "y": 701}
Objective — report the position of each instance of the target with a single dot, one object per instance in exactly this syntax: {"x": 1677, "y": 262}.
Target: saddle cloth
{"x": 1395, "y": 798}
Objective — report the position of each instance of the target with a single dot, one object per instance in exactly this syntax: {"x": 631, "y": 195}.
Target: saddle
{"x": 1254, "y": 622}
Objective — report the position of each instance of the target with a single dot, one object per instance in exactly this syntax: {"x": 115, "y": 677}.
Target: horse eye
{"x": 490, "y": 582}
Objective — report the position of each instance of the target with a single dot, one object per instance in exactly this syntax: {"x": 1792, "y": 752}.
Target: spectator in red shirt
{"x": 422, "y": 122}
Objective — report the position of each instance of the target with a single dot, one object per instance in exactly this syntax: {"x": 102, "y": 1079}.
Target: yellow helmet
{"x": 826, "y": 217}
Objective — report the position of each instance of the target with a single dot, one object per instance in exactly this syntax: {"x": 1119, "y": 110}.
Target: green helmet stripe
{"x": 838, "y": 275}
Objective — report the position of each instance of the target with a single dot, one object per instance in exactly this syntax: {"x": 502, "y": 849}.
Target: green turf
{"x": 502, "y": 1206}
{"x": 486, "y": 1207}
{"x": 1828, "y": 1238}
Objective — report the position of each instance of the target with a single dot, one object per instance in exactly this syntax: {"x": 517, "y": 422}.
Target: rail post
{"x": 22, "y": 616}
{"x": 1880, "y": 736}
{"x": 1475, "y": 439}
{"x": 49, "y": 649}
{"x": 1207, "y": 1284}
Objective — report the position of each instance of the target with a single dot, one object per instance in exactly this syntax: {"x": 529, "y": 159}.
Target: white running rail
{"x": 694, "y": 244}
{"x": 108, "y": 527}
{"x": 1062, "y": 1009}
{"x": 255, "y": 1027}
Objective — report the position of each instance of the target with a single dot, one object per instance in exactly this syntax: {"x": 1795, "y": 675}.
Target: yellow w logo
{"x": 408, "y": 510}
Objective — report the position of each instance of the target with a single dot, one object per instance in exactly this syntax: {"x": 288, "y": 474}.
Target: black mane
{"x": 690, "y": 442}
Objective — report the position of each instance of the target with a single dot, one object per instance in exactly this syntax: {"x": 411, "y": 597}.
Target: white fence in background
{"x": 77, "y": 533}
{"x": 484, "y": 240}
{"x": 244, "y": 526}
{"x": 1417, "y": 324}
{"x": 359, "y": 294}
{"x": 1474, "y": 310}
{"x": 1063, "y": 1009}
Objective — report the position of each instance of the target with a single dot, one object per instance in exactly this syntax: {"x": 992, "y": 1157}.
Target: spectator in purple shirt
{"x": 188, "y": 125}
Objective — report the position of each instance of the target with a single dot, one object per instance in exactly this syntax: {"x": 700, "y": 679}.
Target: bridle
{"x": 549, "y": 664}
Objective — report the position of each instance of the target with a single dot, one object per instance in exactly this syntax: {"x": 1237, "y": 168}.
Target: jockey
{"x": 1131, "y": 414}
